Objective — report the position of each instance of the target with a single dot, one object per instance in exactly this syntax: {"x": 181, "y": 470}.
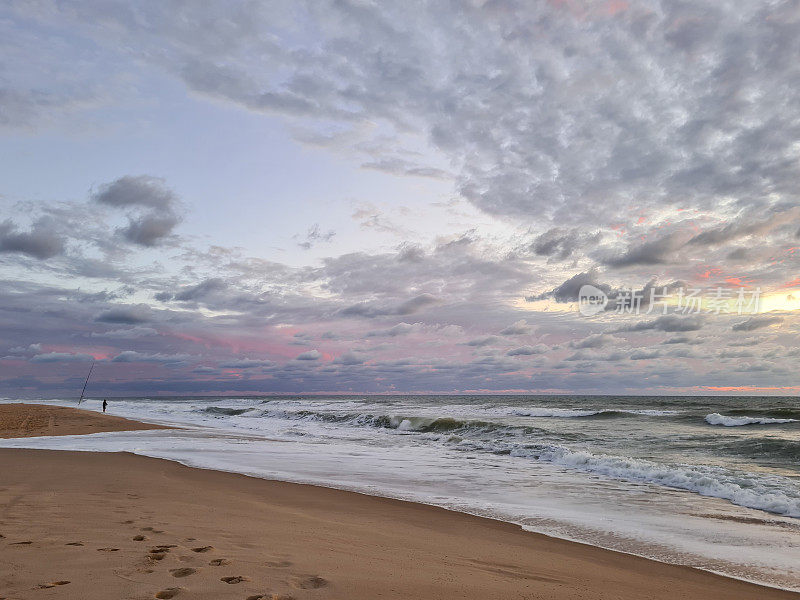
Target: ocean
{"x": 712, "y": 482}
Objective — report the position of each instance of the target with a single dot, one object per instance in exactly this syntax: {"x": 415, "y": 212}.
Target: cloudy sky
{"x": 363, "y": 196}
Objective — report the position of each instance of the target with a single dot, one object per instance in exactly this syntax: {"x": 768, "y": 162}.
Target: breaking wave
{"x": 728, "y": 421}
{"x": 769, "y": 493}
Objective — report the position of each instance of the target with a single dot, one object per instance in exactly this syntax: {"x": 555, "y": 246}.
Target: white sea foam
{"x": 577, "y": 413}
{"x": 728, "y": 421}
{"x": 774, "y": 494}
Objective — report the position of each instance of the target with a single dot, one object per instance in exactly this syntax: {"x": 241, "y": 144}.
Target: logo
{"x": 591, "y": 300}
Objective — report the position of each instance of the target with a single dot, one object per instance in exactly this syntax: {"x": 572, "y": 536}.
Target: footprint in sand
{"x": 45, "y": 586}
{"x": 156, "y": 556}
{"x": 139, "y": 538}
{"x": 219, "y": 562}
{"x": 168, "y": 593}
{"x": 74, "y": 543}
{"x": 108, "y": 549}
{"x": 183, "y": 572}
{"x": 308, "y": 582}
{"x": 21, "y": 543}
{"x": 270, "y": 597}
{"x": 203, "y": 549}
{"x": 235, "y": 579}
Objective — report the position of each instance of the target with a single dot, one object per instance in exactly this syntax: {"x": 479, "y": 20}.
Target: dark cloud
{"x": 396, "y": 330}
{"x": 150, "y": 230}
{"x": 140, "y": 190}
{"x": 127, "y": 315}
{"x": 245, "y": 363}
{"x": 669, "y": 323}
{"x": 560, "y": 243}
{"x": 645, "y": 354}
{"x": 407, "y": 307}
{"x": 148, "y": 227}
{"x": 569, "y": 290}
{"x": 351, "y": 358}
{"x": 40, "y": 242}
{"x": 597, "y": 340}
{"x": 656, "y": 252}
{"x": 758, "y": 322}
{"x": 199, "y": 291}
{"x": 747, "y": 226}
{"x": 416, "y": 304}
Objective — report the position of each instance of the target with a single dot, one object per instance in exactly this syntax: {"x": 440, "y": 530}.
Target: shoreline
{"x": 327, "y": 535}
{"x": 501, "y": 560}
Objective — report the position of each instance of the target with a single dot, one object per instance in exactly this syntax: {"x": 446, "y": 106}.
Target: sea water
{"x": 712, "y": 482}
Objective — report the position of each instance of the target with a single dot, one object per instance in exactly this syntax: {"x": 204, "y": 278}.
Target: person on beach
{"x": 105, "y": 403}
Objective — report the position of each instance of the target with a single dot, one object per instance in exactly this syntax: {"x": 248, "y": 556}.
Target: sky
{"x": 251, "y": 197}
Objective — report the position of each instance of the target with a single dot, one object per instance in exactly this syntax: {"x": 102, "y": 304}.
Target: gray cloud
{"x": 520, "y": 327}
{"x": 758, "y": 322}
{"x": 200, "y": 291}
{"x": 132, "y": 356}
{"x": 126, "y": 334}
{"x": 656, "y": 252}
{"x": 245, "y": 363}
{"x": 396, "y": 330}
{"x": 528, "y": 350}
{"x": 560, "y": 243}
{"x": 314, "y": 236}
{"x": 351, "y": 358}
{"x": 61, "y": 357}
{"x": 569, "y": 290}
{"x": 127, "y": 315}
{"x": 159, "y": 218}
{"x": 408, "y": 307}
{"x": 139, "y": 190}
{"x": 41, "y": 242}
{"x": 597, "y": 340}
{"x": 149, "y": 230}
{"x": 669, "y": 323}
{"x": 487, "y": 340}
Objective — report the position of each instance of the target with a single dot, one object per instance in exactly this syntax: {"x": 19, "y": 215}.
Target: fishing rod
{"x": 86, "y": 383}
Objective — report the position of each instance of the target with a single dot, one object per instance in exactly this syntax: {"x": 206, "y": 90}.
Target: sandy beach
{"x": 29, "y": 420}
{"x": 91, "y": 526}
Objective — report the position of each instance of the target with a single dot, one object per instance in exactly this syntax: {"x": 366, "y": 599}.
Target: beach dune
{"x": 98, "y": 526}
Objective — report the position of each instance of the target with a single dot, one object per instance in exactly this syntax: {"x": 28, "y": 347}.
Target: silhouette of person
{"x": 105, "y": 403}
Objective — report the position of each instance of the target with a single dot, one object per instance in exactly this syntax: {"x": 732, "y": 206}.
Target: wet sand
{"x": 97, "y": 526}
